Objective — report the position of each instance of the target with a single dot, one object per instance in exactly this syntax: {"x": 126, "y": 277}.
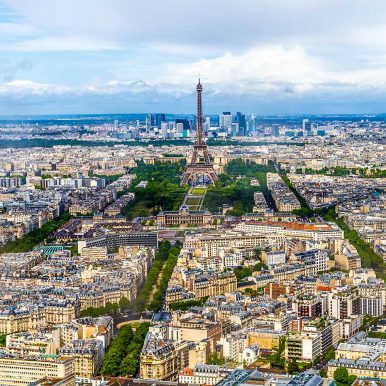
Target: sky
{"x": 139, "y": 56}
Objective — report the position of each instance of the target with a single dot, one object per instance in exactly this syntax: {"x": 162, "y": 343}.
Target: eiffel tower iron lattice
{"x": 200, "y": 169}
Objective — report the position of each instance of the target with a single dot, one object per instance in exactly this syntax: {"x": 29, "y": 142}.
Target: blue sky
{"x": 261, "y": 56}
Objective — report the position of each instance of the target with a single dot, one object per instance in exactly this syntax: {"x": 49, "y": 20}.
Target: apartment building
{"x": 88, "y": 356}
{"x": 306, "y": 231}
{"x": 163, "y": 359}
{"x": 316, "y": 337}
{"x": 201, "y": 375}
{"x": 22, "y": 371}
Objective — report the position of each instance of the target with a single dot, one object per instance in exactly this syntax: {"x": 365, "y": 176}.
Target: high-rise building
{"x": 134, "y": 133}
{"x": 225, "y": 121}
{"x": 307, "y": 126}
{"x": 179, "y": 128}
{"x": 207, "y": 125}
{"x": 240, "y": 119}
{"x": 185, "y": 123}
{"x": 275, "y": 131}
{"x": 148, "y": 122}
{"x": 159, "y": 118}
{"x": 234, "y": 129}
{"x": 342, "y": 304}
{"x": 164, "y": 129}
{"x": 185, "y": 126}
{"x": 251, "y": 124}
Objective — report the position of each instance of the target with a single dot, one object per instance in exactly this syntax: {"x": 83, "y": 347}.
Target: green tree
{"x": 187, "y": 304}
{"x": 124, "y": 303}
{"x": 237, "y": 192}
{"x": 162, "y": 192}
{"x": 330, "y": 354}
{"x": 214, "y": 359}
{"x": 277, "y": 357}
{"x": 117, "y": 351}
{"x": 293, "y": 367}
{"x": 129, "y": 365}
{"x": 342, "y": 377}
{"x": 27, "y": 242}
{"x": 158, "y": 296}
{"x": 323, "y": 373}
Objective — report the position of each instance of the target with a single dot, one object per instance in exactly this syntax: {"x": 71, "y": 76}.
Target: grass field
{"x": 197, "y": 191}
{"x": 193, "y": 201}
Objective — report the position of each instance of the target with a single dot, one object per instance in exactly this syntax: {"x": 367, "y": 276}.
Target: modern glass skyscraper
{"x": 251, "y": 125}
{"x": 159, "y": 118}
{"x": 225, "y": 121}
{"x": 240, "y": 119}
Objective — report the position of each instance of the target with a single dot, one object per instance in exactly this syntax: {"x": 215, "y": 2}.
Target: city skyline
{"x": 126, "y": 57}
{"x": 192, "y": 193}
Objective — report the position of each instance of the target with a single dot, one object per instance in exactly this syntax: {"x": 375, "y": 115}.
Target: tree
{"x": 187, "y": 304}
{"x": 316, "y": 360}
{"x": 117, "y": 352}
{"x": 342, "y": 377}
{"x": 277, "y": 358}
{"x": 257, "y": 253}
{"x": 129, "y": 364}
{"x": 330, "y": 354}
{"x": 124, "y": 303}
{"x": 323, "y": 373}
{"x": 158, "y": 296}
{"x": 214, "y": 359}
{"x": 293, "y": 367}
{"x": 27, "y": 242}
{"x": 341, "y": 374}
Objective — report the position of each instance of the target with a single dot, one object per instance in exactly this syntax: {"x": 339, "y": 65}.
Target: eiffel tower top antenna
{"x": 200, "y": 132}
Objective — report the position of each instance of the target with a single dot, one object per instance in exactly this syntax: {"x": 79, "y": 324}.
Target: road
{"x": 128, "y": 316}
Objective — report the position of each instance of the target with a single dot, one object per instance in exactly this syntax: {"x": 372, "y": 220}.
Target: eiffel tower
{"x": 200, "y": 169}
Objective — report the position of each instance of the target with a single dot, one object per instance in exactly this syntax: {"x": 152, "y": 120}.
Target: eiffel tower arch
{"x": 200, "y": 169}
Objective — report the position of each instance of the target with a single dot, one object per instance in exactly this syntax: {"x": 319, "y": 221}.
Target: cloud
{"x": 265, "y": 55}
{"x": 9, "y": 70}
{"x": 266, "y": 97}
{"x": 23, "y": 87}
{"x": 220, "y": 24}
{"x": 256, "y": 66}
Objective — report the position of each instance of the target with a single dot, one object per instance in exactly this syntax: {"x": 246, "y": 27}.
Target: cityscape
{"x": 195, "y": 243}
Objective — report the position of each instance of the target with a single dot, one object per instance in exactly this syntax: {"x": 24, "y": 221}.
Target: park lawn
{"x": 193, "y": 201}
{"x": 198, "y": 191}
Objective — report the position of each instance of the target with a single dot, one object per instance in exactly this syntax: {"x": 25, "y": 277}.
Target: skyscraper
{"x": 207, "y": 125}
{"x": 185, "y": 123}
{"x": 307, "y": 126}
{"x": 180, "y": 129}
{"x": 275, "y": 131}
{"x": 234, "y": 129}
{"x": 159, "y": 118}
{"x": 164, "y": 129}
{"x": 240, "y": 119}
{"x": 251, "y": 124}
{"x": 225, "y": 121}
{"x": 148, "y": 122}
{"x": 185, "y": 126}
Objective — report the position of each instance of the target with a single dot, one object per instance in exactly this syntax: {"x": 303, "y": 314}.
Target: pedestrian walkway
{"x": 194, "y": 198}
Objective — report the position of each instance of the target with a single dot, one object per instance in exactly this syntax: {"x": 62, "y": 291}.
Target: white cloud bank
{"x": 267, "y": 55}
